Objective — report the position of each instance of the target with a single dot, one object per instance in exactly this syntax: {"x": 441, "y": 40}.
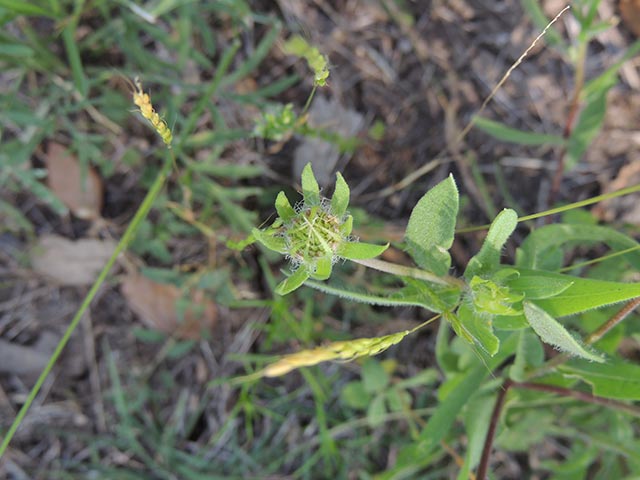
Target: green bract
{"x": 314, "y": 234}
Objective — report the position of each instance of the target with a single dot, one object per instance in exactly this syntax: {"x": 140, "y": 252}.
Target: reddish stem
{"x": 491, "y": 432}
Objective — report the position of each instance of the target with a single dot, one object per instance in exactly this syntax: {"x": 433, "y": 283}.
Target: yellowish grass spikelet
{"x": 143, "y": 102}
{"x": 345, "y": 351}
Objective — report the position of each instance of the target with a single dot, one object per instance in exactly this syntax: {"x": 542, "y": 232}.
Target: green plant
{"x": 493, "y": 306}
{"x": 494, "y": 383}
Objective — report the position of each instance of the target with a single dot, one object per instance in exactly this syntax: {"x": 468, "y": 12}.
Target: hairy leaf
{"x": 293, "y": 282}
{"x": 553, "y": 333}
{"x": 284, "y": 208}
{"x": 269, "y": 240}
{"x": 340, "y": 199}
{"x": 360, "y": 250}
{"x": 488, "y": 258}
{"x": 583, "y": 294}
{"x": 310, "y": 188}
{"x": 537, "y": 287}
{"x": 480, "y": 328}
{"x": 431, "y": 227}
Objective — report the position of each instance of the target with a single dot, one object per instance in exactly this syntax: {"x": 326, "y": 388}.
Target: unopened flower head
{"x": 315, "y": 234}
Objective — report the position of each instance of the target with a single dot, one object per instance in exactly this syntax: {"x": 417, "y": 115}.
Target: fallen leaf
{"x": 630, "y": 10}
{"x": 623, "y": 209}
{"x": 81, "y": 192}
{"x": 68, "y": 262}
{"x": 157, "y": 306}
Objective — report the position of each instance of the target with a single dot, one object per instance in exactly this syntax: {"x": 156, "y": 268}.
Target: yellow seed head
{"x": 342, "y": 350}
{"x": 143, "y": 102}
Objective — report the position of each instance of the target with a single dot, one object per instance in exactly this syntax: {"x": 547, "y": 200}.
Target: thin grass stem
{"x": 129, "y": 234}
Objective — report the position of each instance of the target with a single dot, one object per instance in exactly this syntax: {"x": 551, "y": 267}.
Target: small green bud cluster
{"x": 315, "y": 234}
{"x": 277, "y": 123}
{"x": 298, "y": 46}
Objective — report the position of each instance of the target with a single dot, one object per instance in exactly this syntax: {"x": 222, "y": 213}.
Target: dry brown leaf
{"x": 626, "y": 208}
{"x": 65, "y": 179}
{"x": 630, "y": 10}
{"x": 155, "y": 304}
{"x": 68, "y": 262}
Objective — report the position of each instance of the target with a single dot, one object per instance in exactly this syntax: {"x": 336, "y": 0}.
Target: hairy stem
{"x": 613, "y": 321}
{"x": 142, "y": 212}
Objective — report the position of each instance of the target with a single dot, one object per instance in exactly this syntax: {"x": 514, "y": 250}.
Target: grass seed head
{"x": 143, "y": 102}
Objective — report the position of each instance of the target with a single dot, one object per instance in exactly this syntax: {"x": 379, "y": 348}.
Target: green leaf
{"x": 510, "y": 322}
{"x": 360, "y": 250}
{"x": 531, "y": 428}
{"x": 446, "y": 413}
{"x": 507, "y": 134}
{"x": 432, "y": 226}
{"x": 457, "y": 326}
{"x": 583, "y": 294}
{"x": 537, "y": 287}
{"x": 534, "y": 251}
{"x": 398, "y": 400}
{"x": 374, "y": 377}
{"x": 284, "y": 208}
{"x": 553, "y": 333}
{"x": 270, "y": 240}
{"x": 528, "y": 354}
{"x": 340, "y": 199}
{"x": 488, "y": 258}
{"x": 493, "y": 299}
{"x": 30, "y": 183}
{"x": 355, "y": 396}
{"x": 347, "y": 226}
{"x": 377, "y": 411}
{"x": 480, "y": 328}
{"x": 293, "y": 282}
{"x": 323, "y": 268}
{"x": 436, "y": 298}
{"x": 477, "y": 415}
{"x": 27, "y": 8}
{"x": 613, "y": 379}
{"x": 310, "y": 188}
